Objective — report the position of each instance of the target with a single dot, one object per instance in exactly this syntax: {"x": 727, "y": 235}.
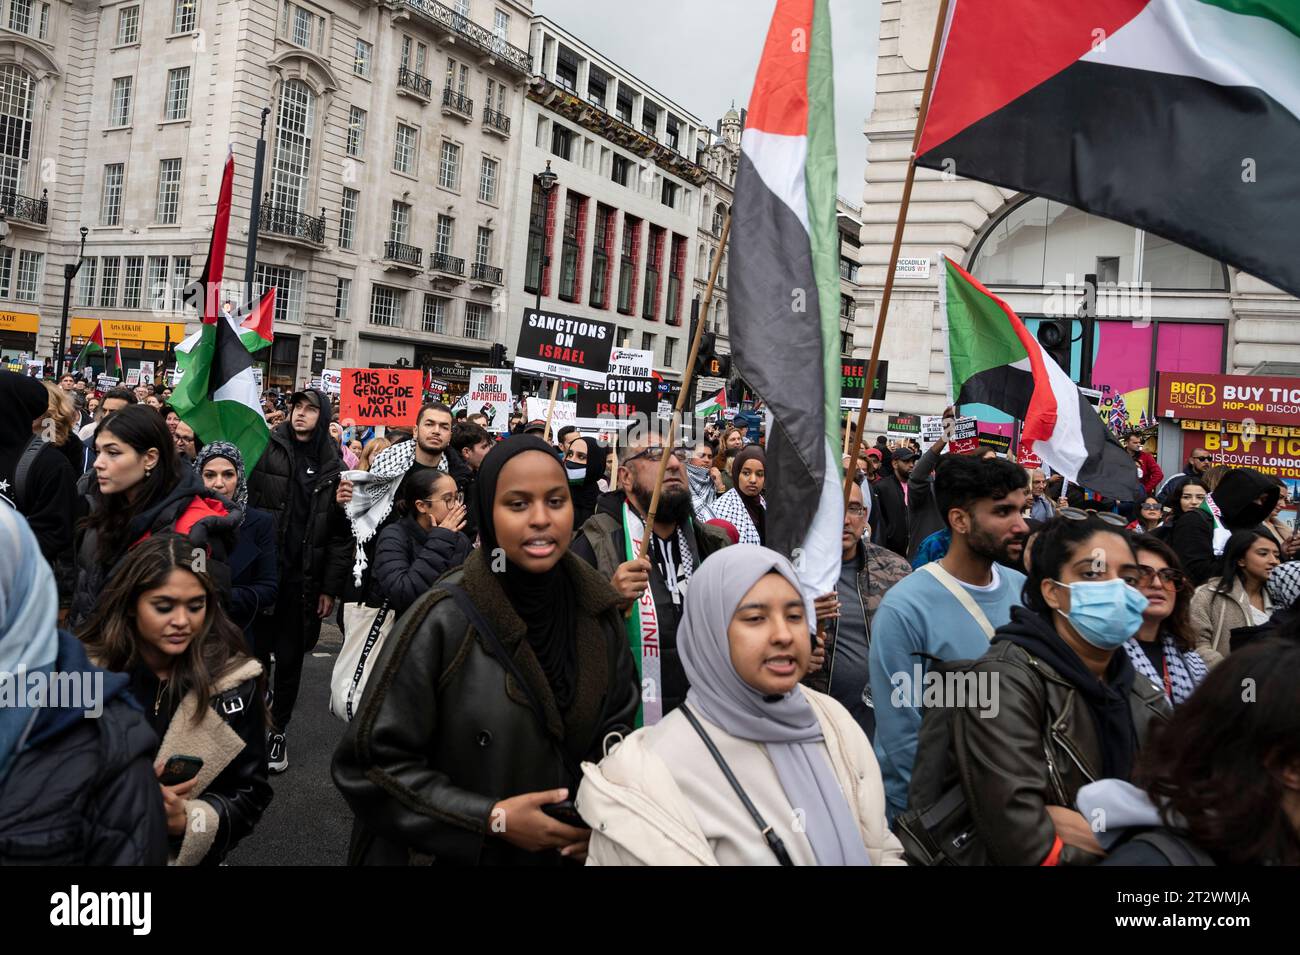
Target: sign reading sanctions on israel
{"x": 560, "y": 346}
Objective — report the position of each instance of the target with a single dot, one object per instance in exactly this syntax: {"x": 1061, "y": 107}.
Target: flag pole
{"x": 550, "y": 410}
{"x": 868, "y": 382}
{"x": 686, "y": 388}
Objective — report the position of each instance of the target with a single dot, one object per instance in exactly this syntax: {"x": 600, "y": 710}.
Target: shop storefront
{"x": 452, "y": 365}
{"x": 1243, "y": 421}
{"x": 140, "y": 341}
{"x": 18, "y": 335}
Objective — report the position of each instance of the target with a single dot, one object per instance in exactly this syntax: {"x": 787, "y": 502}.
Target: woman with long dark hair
{"x": 1150, "y": 516}
{"x": 138, "y": 489}
{"x": 1237, "y": 597}
{"x": 1163, "y": 650}
{"x": 413, "y": 552}
{"x": 743, "y": 506}
{"x": 491, "y": 689}
{"x": 159, "y": 620}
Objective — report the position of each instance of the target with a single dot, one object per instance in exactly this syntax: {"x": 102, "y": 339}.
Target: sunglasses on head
{"x": 1079, "y": 514}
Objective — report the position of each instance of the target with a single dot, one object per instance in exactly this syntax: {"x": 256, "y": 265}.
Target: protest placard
{"x": 35, "y": 368}
{"x": 106, "y": 383}
{"x": 1001, "y": 443}
{"x": 257, "y": 377}
{"x": 903, "y": 426}
{"x": 380, "y": 396}
{"x": 965, "y": 436}
{"x": 435, "y": 387}
{"x": 1028, "y": 460}
{"x": 133, "y": 377}
{"x": 621, "y": 398}
{"x": 631, "y": 362}
{"x": 460, "y": 404}
{"x": 489, "y": 395}
{"x": 566, "y": 413}
{"x": 146, "y": 373}
{"x": 561, "y": 346}
{"x": 852, "y": 374}
{"x": 931, "y": 428}
{"x": 331, "y": 381}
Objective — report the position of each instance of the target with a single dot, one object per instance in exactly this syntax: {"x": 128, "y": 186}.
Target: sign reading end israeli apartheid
{"x": 380, "y": 396}
{"x": 620, "y": 399}
{"x": 561, "y": 346}
{"x": 489, "y": 395}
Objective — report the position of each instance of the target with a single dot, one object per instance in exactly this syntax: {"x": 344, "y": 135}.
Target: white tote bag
{"x": 364, "y": 631}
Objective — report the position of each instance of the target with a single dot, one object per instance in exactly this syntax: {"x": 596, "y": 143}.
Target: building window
{"x": 648, "y": 342}
{"x": 536, "y": 240}
{"x": 180, "y": 278}
{"x": 404, "y": 150}
{"x": 434, "y": 319}
{"x": 16, "y": 119}
{"x": 30, "y": 269}
{"x": 119, "y": 110}
{"x": 356, "y": 131}
{"x": 178, "y": 93}
{"x": 339, "y": 346}
{"x": 386, "y": 306}
{"x": 496, "y": 96}
{"x": 185, "y": 15}
{"x": 653, "y": 260}
{"x": 575, "y": 207}
{"x": 669, "y": 194}
{"x": 108, "y": 286}
{"x": 6, "y": 270}
{"x": 670, "y": 347}
{"x": 128, "y": 25}
{"x": 414, "y": 63}
{"x": 622, "y": 170}
{"x": 487, "y": 181}
{"x": 342, "y": 298}
{"x": 291, "y": 166}
{"x": 399, "y": 224}
{"x": 110, "y": 200}
{"x": 623, "y": 105}
{"x": 169, "y": 191}
{"x": 719, "y": 215}
{"x": 649, "y": 118}
{"x": 133, "y": 284}
{"x": 627, "y": 264}
{"x": 449, "y": 166}
{"x": 288, "y": 285}
{"x": 602, "y": 248}
{"x": 566, "y": 69}
{"x": 672, "y": 130}
{"x": 483, "y": 246}
{"x": 87, "y": 282}
{"x": 597, "y": 86}
{"x": 361, "y": 63}
{"x": 348, "y": 218}
{"x": 476, "y": 320}
{"x": 676, "y": 272}
{"x": 457, "y": 77}
{"x": 45, "y": 21}
{"x": 561, "y": 141}
{"x": 157, "y": 281}
{"x": 501, "y": 24}
{"x": 301, "y": 27}
{"x": 443, "y": 235}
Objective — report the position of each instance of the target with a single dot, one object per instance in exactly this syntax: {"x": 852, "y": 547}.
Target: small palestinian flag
{"x": 256, "y": 327}
{"x": 996, "y": 361}
{"x": 1180, "y": 117}
{"x": 94, "y": 347}
{"x": 785, "y": 285}
{"x": 568, "y": 391}
{"x": 713, "y": 406}
{"x": 116, "y": 368}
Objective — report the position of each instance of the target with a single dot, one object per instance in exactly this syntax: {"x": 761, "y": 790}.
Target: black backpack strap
{"x": 769, "y": 834}
{"x": 23, "y": 469}
{"x": 1176, "y": 849}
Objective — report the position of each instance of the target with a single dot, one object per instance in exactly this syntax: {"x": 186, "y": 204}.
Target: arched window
{"x": 291, "y": 167}
{"x": 719, "y": 214}
{"x": 16, "y": 119}
{"x": 1041, "y": 242}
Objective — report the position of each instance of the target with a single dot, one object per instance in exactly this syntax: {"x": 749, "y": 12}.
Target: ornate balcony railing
{"x": 442, "y": 262}
{"x": 277, "y": 219}
{"x": 498, "y": 121}
{"x": 479, "y": 37}
{"x": 457, "y": 101}
{"x": 413, "y": 81}
{"x": 401, "y": 252}
{"x": 25, "y": 208}
{"x": 480, "y": 272}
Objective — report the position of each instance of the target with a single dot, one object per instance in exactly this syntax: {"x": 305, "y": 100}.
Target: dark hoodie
{"x": 50, "y": 488}
{"x": 1192, "y": 535}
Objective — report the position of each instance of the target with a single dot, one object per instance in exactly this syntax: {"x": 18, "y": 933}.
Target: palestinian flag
{"x": 255, "y": 329}
{"x": 92, "y": 348}
{"x": 996, "y": 361}
{"x": 568, "y": 391}
{"x": 1181, "y": 117}
{"x": 713, "y": 406}
{"x": 785, "y": 285}
{"x": 117, "y": 368}
{"x": 217, "y": 395}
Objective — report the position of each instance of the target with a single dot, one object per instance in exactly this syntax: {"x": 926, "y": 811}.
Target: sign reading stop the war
{"x": 373, "y": 396}
{"x": 561, "y": 346}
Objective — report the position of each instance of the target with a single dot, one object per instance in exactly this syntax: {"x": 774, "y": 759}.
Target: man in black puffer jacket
{"x": 295, "y": 480}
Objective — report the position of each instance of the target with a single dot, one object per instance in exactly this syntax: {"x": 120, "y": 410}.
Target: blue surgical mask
{"x": 1104, "y": 612}
{"x": 577, "y": 473}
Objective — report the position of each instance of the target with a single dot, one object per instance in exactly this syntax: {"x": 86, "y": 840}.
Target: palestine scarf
{"x": 373, "y": 493}
{"x": 754, "y": 505}
{"x": 1185, "y": 671}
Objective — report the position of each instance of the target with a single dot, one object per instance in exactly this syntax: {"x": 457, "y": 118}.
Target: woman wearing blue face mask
{"x": 1058, "y": 705}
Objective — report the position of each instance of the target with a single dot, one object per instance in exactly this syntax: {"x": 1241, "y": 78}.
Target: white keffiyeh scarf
{"x": 373, "y": 493}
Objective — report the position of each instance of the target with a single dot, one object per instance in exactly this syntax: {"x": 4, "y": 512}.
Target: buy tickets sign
{"x": 380, "y": 396}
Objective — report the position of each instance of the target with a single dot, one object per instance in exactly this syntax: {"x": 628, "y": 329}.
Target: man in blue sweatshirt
{"x": 949, "y": 609}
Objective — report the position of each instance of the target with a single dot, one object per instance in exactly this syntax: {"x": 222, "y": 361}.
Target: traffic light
{"x": 708, "y": 342}
{"x": 497, "y": 356}
{"x": 719, "y": 366}
{"x": 1055, "y": 334}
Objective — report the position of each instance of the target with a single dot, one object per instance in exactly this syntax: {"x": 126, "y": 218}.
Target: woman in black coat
{"x": 254, "y": 573}
{"x": 425, "y": 543}
{"x": 467, "y": 745}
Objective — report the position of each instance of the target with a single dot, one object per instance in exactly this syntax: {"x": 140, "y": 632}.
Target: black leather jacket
{"x": 443, "y": 733}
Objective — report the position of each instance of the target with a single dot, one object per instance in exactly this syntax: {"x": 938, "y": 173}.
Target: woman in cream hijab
{"x": 660, "y": 797}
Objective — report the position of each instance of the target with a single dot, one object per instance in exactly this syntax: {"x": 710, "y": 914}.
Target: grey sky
{"x": 703, "y": 54}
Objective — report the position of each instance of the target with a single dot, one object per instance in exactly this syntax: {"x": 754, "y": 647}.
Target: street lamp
{"x": 546, "y": 181}
{"x": 69, "y": 273}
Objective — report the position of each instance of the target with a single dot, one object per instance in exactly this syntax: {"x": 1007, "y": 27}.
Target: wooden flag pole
{"x": 550, "y": 410}
{"x": 869, "y": 382}
{"x": 686, "y": 387}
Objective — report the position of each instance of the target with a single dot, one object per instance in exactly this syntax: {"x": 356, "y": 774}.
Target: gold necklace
{"x": 157, "y": 702}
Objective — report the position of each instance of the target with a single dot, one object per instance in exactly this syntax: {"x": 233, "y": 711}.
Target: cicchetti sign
{"x": 1264, "y": 400}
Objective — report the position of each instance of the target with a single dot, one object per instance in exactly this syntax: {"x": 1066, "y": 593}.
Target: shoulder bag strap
{"x": 954, "y": 587}
{"x": 24, "y": 467}
{"x": 769, "y": 835}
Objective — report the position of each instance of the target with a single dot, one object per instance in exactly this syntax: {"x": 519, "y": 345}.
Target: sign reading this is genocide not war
{"x": 561, "y": 346}
{"x": 380, "y": 396}
{"x": 489, "y": 395}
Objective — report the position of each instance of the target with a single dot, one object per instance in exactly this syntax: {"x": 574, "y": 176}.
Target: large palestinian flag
{"x": 217, "y": 395}
{"x": 1181, "y": 117}
{"x": 995, "y": 360}
{"x": 785, "y": 285}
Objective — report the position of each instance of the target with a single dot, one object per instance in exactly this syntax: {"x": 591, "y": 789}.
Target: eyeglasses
{"x": 855, "y": 510}
{"x": 448, "y": 500}
{"x": 1202, "y": 457}
{"x": 1168, "y": 575}
{"x": 655, "y": 453}
{"x": 1150, "y": 507}
{"x": 1106, "y": 517}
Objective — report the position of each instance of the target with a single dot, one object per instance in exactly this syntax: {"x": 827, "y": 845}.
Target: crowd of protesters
{"x": 519, "y": 685}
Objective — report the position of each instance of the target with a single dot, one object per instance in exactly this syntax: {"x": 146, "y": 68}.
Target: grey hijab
{"x": 786, "y": 725}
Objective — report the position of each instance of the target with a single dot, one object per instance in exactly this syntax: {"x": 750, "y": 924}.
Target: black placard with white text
{"x": 561, "y": 346}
